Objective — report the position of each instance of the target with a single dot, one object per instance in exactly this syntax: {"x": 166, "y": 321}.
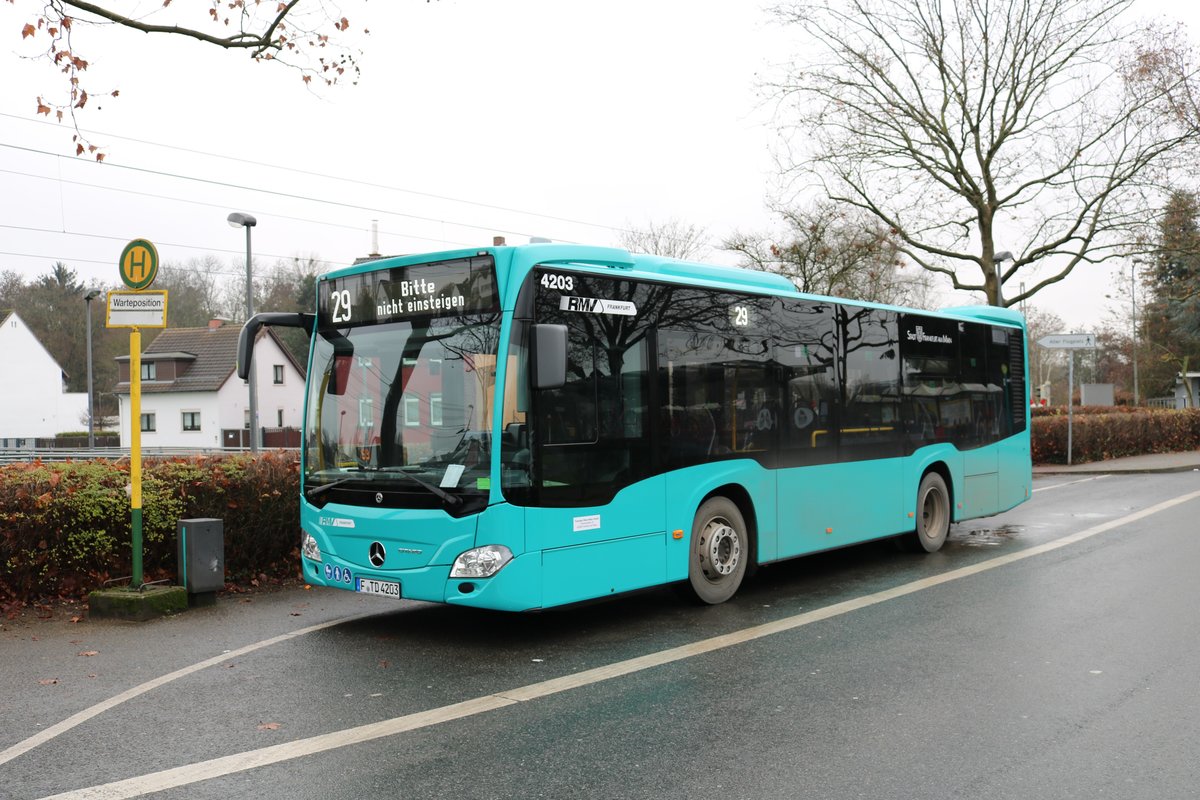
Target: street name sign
{"x": 137, "y": 310}
{"x": 1069, "y": 341}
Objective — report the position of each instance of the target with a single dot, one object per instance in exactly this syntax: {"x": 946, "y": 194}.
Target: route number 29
{"x": 341, "y": 306}
{"x": 563, "y": 283}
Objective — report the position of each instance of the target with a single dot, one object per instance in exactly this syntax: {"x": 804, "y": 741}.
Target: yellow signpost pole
{"x": 135, "y": 452}
{"x": 139, "y": 267}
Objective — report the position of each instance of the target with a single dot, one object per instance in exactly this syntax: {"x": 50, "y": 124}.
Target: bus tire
{"x": 933, "y": 515}
{"x": 720, "y": 549}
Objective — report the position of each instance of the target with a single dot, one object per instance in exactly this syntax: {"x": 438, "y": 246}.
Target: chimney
{"x": 374, "y": 239}
{"x": 214, "y": 323}
{"x": 497, "y": 241}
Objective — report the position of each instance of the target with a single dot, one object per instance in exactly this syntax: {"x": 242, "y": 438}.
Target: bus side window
{"x": 806, "y": 353}
{"x": 870, "y": 362}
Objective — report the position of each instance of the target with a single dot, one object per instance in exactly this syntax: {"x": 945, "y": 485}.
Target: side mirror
{"x": 549, "y": 359}
{"x": 282, "y": 319}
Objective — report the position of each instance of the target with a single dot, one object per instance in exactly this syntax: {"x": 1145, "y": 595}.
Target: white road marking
{"x": 240, "y": 762}
{"x": 1070, "y": 483}
{"x": 83, "y": 716}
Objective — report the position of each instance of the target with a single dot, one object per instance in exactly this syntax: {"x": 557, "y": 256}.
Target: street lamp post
{"x": 240, "y": 220}
{"x": 88, "y": 298}
{"x": 1133, "y": 299}
{"x": 1003, "y": 255}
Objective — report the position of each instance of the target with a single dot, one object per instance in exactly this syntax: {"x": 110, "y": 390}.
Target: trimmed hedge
{"x": 1099, "y": 434}
{"x": 65, "y": 527}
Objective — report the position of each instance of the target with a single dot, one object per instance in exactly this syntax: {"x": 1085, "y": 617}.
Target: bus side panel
{"x": 834, "y": 505}
{"x": 688, "y": 487}
{"x": 635, "y": 510}
{"x": 1016, "y": 471}
{"x": 571, "y": 574}
{"x": 980, "y": 492}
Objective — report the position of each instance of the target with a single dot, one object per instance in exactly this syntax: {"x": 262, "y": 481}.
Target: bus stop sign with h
{"x": 136, "y": 309}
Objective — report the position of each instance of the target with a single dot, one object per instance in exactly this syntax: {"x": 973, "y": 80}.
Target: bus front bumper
{"x": 516, "y": 587}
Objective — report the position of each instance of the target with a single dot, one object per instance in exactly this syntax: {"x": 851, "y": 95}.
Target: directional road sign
{"x": 1069, "y": 341}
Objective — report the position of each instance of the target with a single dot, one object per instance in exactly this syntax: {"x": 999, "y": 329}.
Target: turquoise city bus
{"x": 523, "y": 427}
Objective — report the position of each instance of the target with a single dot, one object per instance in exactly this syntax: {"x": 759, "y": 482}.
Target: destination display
{"x": 443, "y": 288}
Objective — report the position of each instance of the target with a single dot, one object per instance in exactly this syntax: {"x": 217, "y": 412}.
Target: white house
{"x": 34, "y": 402}
{"x": 192, "y": 397}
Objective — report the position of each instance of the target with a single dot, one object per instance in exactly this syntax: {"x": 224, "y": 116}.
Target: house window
{"x": 148, "y": 423}
{"x": 278, "y": 371}
{"x": 279, "y": 417}
{"x": 191, "y": 420}
{"x": 412, "y": 411}
{"x": 366, "y": 413}
{"x": 435, "y": 408}
{"x": 149, "y": 371}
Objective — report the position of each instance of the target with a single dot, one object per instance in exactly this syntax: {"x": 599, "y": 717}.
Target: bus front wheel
{"x": 719, "y": 551}
{"x": 933, "y": 514}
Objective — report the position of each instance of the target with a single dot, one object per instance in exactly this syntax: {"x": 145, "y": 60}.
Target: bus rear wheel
{"x": 933, "y": 515}
{"x": 719, "y": 551}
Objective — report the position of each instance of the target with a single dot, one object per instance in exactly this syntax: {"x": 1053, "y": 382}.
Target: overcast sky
{"x": 472, "y": 118}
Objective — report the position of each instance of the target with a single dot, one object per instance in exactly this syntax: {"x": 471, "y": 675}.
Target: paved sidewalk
{"x": 1155, "y": 462}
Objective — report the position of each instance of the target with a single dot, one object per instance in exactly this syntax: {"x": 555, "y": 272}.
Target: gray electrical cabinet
{"x": 201, "y": 551}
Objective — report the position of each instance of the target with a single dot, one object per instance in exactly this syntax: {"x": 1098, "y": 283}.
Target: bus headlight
{"x": 309, "y": 548}
{"x": 482, "y": 562}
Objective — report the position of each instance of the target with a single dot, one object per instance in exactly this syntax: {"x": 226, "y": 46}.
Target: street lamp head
{"x": 239, "y": 220}
{"x": 1003, "y": 255}
{"x": 92, "y": 295}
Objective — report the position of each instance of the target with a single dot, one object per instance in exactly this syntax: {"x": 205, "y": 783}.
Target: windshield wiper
{"x": 313, "y": 491}
{"x": 436, "y": 490}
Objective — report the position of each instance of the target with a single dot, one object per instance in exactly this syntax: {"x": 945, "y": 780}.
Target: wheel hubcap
{"x": 931, "y": 514}
{"x": 720, "y": 549}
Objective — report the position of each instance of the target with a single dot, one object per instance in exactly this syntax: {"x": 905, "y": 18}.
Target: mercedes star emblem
{"x": 378, "y": 554}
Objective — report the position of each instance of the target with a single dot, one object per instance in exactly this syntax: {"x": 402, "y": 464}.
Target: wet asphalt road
{"x": 1071, "y": 673}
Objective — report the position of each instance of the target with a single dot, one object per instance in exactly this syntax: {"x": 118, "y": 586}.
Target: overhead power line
{"x": 341, "y": 178}
{"x": 305, "y": 220}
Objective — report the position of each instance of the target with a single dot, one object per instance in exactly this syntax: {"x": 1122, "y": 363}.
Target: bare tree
{"x": 836, "y": 250}
{"x": 306, "y": 35}
{"x": 971, "y": 127}
{"x": 672, "y": 239}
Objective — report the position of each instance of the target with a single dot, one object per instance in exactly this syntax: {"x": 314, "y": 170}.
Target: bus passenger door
{"x": 597, "y": 511}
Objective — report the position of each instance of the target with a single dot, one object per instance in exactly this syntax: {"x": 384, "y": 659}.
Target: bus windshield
{"x": 399, "y": 393}
{"x": 403, "y": 407}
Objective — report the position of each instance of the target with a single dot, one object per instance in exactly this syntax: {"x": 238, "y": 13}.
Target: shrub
{"x": 65, "y": 527}
{"x": 1114, "y": 433}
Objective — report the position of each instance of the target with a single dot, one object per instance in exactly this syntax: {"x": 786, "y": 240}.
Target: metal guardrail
{"x": 27, "y": 455}
{"x": 1160, "y": 402}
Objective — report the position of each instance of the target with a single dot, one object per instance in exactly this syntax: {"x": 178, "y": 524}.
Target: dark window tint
{"x": 957, "y": 382}
{"x": 806, "y": 351}
{"x": 592, "y": 437}
{"x": 870, "y": 377}
{"x": 719, "y": 385}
